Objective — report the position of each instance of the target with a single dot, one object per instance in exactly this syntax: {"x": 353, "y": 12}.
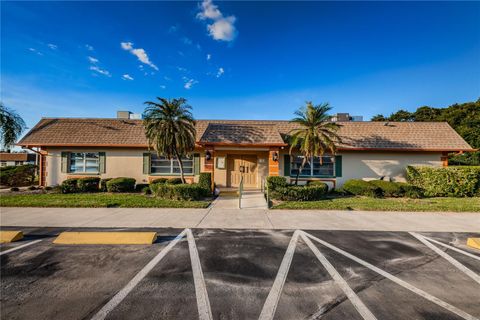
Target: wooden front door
{"x": 242, "y": 166}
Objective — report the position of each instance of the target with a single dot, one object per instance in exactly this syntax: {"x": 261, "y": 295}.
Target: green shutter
{"x": 101, "y": 158}
{"x": 286, "y": 165}
{"x": 196, "y": 163}
{"x": 146, "y": 163}
{"x": 338, "y": 166}
{"x": 65, "y": 161}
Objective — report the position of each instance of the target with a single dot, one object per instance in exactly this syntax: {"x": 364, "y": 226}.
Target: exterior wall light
{"x": 208, "y": 155}
{"x": 275, "y": 156}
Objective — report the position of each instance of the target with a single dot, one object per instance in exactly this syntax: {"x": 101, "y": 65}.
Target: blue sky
{"x": 237, "y": 60}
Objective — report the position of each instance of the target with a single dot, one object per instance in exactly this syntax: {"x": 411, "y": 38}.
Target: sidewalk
{"x": 218, "y": 217}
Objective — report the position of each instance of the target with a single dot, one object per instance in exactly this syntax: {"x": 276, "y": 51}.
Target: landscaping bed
{"x": 386, "y": 204}
{"x": 94, "y": 200}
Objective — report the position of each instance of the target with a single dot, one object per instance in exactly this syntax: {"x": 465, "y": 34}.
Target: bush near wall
{"x": 446, "y": 181}
{"x": 159, "y": 180}
{"x": 275, "y": 182}
{"x": 174, "y": 181}
{"x": 205, "y": 181}
{"x": 88, "y": 184}
{"x": 279, "y": 190}
{"x": 190, "y": 192}
{"x": 103, "y": 184}
{"x": 362, "y": 188}
{"x": 18, "y": 176}
{"x": 139, "y": 187}
{"x": 121, "y": 184}
{"x": 389, "y": 189}
{"x": 69, "y": 186}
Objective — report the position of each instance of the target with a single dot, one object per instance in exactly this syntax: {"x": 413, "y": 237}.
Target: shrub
{"x": 174, "y": 181}
{"x": 389, "y": 189}
{"x": 48, "y": 188}
{"x": 446, "y": 181}
{"x": 88, "y": 184}
{"x": 140, "y": 186}
{"x": 154, "y": 187}
{"x": 32, "y": 188}
{"x": 205, "y": 181}
{"x": 300, "y": 193}
{"x": 275, "y": 182}
{"x": 316, "y": 183}
{"x": 146, "y": 190}
{"x": 121, "y": 184}
{"x": 179, "y": 191}
{"x": 411, "y": 191}
{"x": 159, "y": 180}
{"x": 362, "y": 188}
{"x": 14, "y": 189}
{"x": 17, "y": 175}
{"x": 70, "y": 186}
{"x": 103, "y": 184}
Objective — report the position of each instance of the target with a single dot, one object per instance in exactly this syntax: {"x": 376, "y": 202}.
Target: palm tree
{"x": 170, "y": 128}
{"x": 315, "y": 134}
{"x": 11, "y": 126}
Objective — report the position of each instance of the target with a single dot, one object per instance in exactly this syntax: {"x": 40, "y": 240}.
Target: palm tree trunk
{"x": 180, "y": 164}
{"x": 300, "y": 170}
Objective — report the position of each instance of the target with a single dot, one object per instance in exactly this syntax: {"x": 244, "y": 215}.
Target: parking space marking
{"x": 447, "y": 257}
{"x": 270, "y": 305}
{"x": 468, "y": 254}
{"x": 398, "y": 281}
{"x": 115, "y": 301}
{"x": 354, "y": 299}
{"x": 20, "y": 247}
{"x": 203, "y": 303}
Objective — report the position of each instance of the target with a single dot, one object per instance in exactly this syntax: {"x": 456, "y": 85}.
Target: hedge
{"x": 70, "y": 186}
{"x": 121, "y": 184}
{"x": 103, "y": 184}
{"x": 17, "y": 176}
{"x": 139, "y": 187}
{"x": 362, "y": 188}
{"x": 88, "y": 184}
{"x": 299, "y": 193}
{"x": 275, "y": 182}
{"x": 174, "y": 181}
{"x": 205, "y": 181}
{"x": 159, "y": 180}
{"x": 179, "y": 191}
{"x": 389, "y": 189}
{"x": 446, "y": 181}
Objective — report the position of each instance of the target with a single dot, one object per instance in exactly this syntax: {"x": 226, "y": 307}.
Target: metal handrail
{"x": 266, "y": 191}
{"x": 240, "y": 192}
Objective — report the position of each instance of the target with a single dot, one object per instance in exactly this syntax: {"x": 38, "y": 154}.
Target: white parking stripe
{"x": 354, "y": 299}
{"x": 468, "y": 254}
{"x": 203, "y": 303}
{"x": 398, "y": 281}
{"x": 268, "y": 310}
{"x": 453, "y": 261}
{"x": 115, "y": 301}
{"x": 20, "y": 247}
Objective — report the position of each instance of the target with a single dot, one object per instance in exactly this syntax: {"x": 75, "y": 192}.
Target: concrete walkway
{"x": 219, "y": 217}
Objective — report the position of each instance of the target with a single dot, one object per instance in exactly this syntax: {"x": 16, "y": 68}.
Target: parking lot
{"x": 243, "y": 274}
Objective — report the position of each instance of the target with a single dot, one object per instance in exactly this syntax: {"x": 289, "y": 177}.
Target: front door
{"x": 242, "y": 166}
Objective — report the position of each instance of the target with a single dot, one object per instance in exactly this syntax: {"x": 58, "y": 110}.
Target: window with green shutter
{"x": 338, "y": 166}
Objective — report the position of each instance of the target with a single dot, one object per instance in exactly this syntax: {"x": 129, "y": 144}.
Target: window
{"x": 162, "y": 165}
{"x": 84, "y": 162}
{"x": 313, "y": 168}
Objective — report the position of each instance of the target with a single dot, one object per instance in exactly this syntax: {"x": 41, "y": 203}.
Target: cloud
{"x": 220, "y": 72}
{"x": 189, "y": 83}
{"x": 139, "y": 53}
{"x": 209, "y": 56}
{"x": 186, "y": 41}
{"x": 162, "y": 86}
{"x": 127, "y": 77}
{"x": 89, "y": 47}
{"x": 222, "y": 28}
{"x": 52, "y": 46}
{"x": 173, "y": 29}
{"x": 35, "y": 51}
{"x": 92, "y": 60}
{"x": 100, "y": 70}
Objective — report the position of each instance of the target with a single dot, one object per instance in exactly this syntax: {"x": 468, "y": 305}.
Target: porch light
{"x": 208, "y": 155}
{"x": 275, "y": 156}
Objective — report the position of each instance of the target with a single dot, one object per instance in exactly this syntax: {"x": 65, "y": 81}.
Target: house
{"x": 232, "y": 149}
{"x": 17, "y": 159}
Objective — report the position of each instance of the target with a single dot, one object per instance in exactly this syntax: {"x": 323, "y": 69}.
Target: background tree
{"x": 11, "y": 127}
{"x": 170, "y": 128}
{"x": 316, "y": 134}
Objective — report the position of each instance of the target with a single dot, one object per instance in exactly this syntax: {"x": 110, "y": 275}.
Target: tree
{"x": 316, "y": 134}
{"x": 401, "y": 115}
{"x": 11, "y": 126}
{"x": 379, "y": 117}
{"x": 170, "y": 128}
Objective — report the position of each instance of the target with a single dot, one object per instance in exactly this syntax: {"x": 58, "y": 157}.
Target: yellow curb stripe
{"x": 10, "y": 236}
{"x": 106, "y": 238}
{"x": 474, "y": 243}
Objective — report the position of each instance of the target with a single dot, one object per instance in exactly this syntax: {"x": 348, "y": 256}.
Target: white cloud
{"x": 209, "y": 56}
{"x": 139, "y": 53}
{"x": 189, "y": 83}
{"x": 162, "y": 86}
{"x": 186, "y": 41}
{"x": 92, "y": 60}
{"x": 127, "y": 77}
{"x": 101, "y": 71}
{"x": 220, "y": 72}
{"x": 35, "y": 51}
{"x": 173, "y": 29}
{"x": 222, "y": 28}
{"x": 89, "y": 47}
{"x": 52, "y": 46}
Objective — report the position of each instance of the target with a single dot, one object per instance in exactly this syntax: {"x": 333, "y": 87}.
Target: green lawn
{"x": 94, "y": 200}
{"x": 387, "y": 204}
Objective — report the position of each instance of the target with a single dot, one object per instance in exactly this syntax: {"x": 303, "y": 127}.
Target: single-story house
{"x": 17, "y": 158}
{"x": 231, "y": 149}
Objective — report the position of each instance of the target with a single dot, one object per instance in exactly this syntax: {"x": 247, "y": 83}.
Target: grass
{"x": 387, "y": 204}
{"x": 94, "y": 200}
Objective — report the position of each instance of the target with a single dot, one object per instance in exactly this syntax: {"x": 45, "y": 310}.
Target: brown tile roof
{"x": 433, "y": 136}
{"x": 17, "y": 156}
